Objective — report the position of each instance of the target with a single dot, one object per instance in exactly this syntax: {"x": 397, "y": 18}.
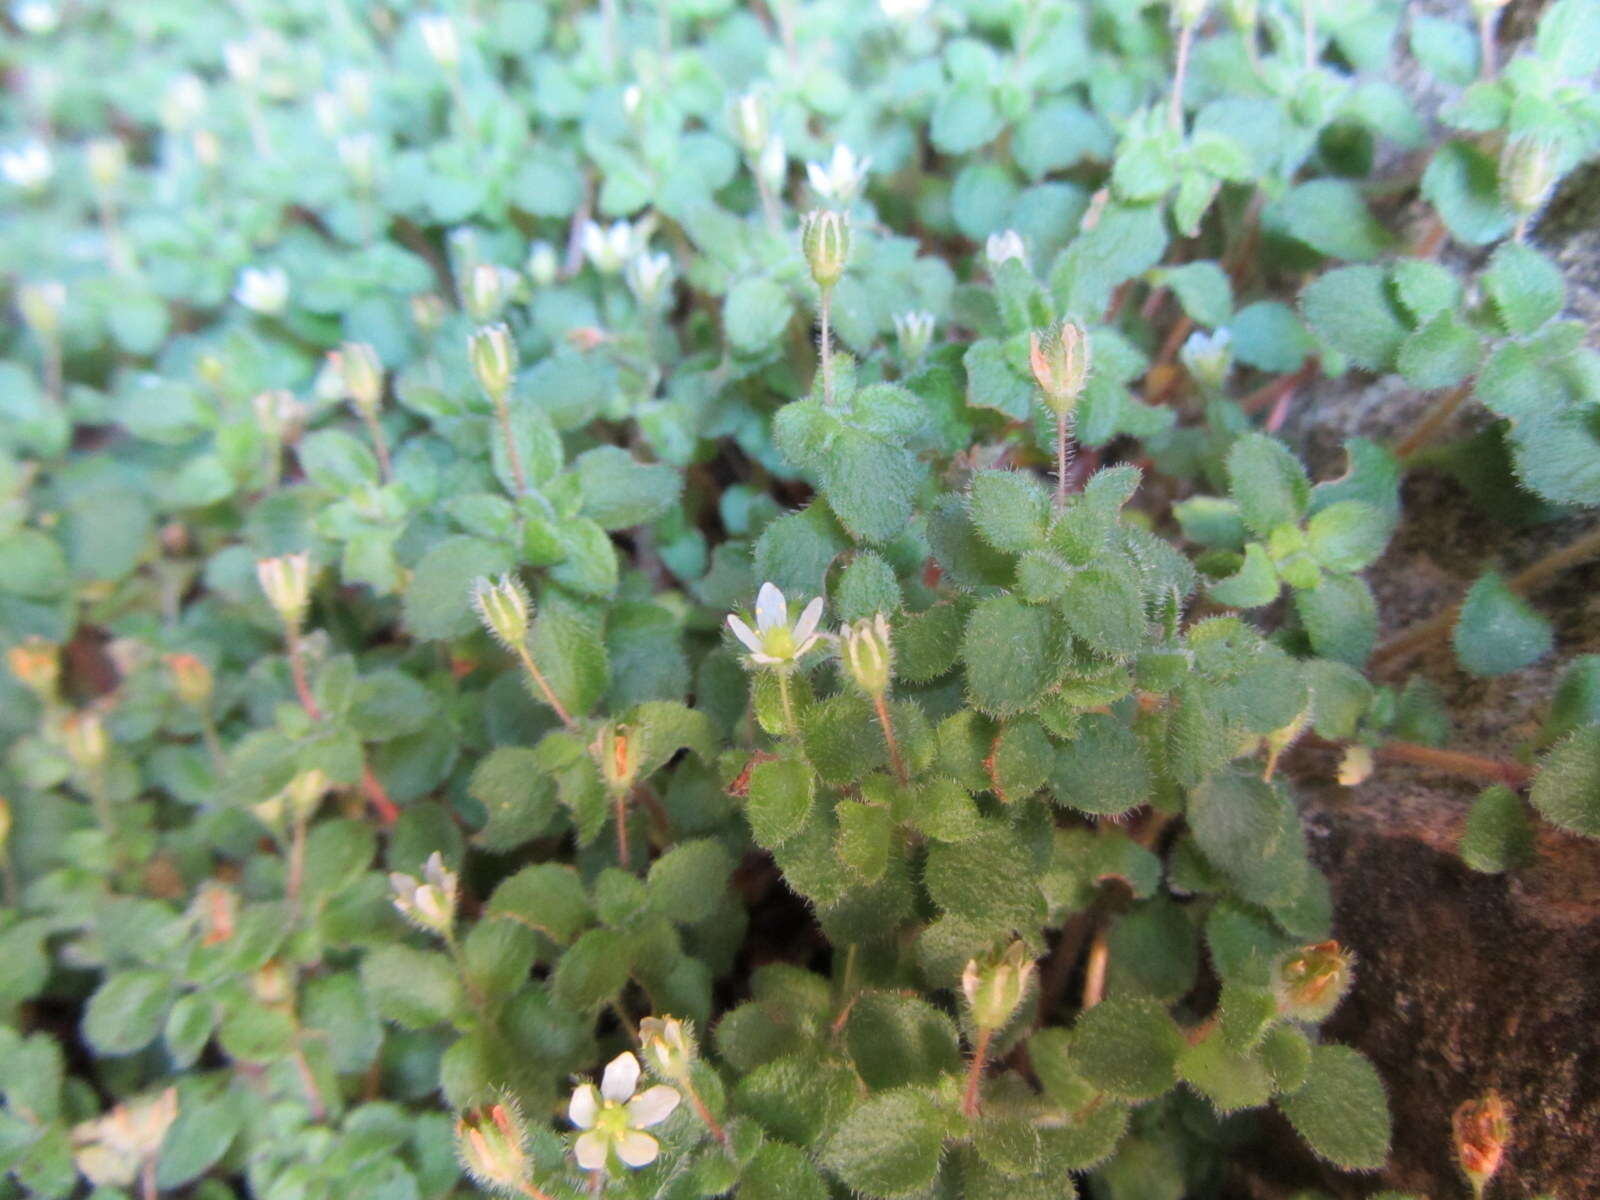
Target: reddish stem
{"x": 980, "y": 1055}
{"x": 1455, "y": 762}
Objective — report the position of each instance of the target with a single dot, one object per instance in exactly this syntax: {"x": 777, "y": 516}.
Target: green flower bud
{"x": 492, "y": 1143}
{"x": 286, "y": 580}
{"x": 484, "y": 292}
{"x": 84, "y": 736}
{"x": 868, "y": 654}
{"x": 825, "y": 238}
{"x": 427, "y": 312}
{"x": 494, "y": 359}
{"x": 1528, "y": 174}
{"x": 504, "y": 609}
{"x": 751, "y": 123}
{"x": 1061, "y": 362}
{"x": 361, "y": 374}
{"x": 428, "y": 903}
{"x": 915, "y": 331}
{"x": 994, "y": 989}
{"x": 544, "y": 265}
{"x": 668, "y": 1045}
{"x": 1310, "y": 982}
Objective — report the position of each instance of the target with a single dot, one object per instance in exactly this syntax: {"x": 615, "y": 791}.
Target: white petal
{"x": 804, "y": 647}
{"x": 772, "y": 610}
{"x": 590, "y": 1150}
{"x": 807, "y": 624}
{"x": 621, "y": 1077}
{"x": 652, "y": 1106}
{"x": 819, "y": 179}
{"x": 744, "y": 633}
{"x": 637, "y": 1149}
{"x": 766, "y": 660}
{"x": 584, "y": 1107}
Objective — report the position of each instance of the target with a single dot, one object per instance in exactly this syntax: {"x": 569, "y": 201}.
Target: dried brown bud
{"x": 1482, "y": 1130}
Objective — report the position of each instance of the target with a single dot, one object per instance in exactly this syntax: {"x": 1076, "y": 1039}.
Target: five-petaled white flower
{"x": 774, "y": 642}
{"x": 613, "y": 1118}
{"x": 842, "y": 178}
{"x": 28, "y": 166}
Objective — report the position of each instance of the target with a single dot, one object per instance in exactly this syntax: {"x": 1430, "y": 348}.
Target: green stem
{"x": 544, "y": 687}
{"x": 788, "y": 705}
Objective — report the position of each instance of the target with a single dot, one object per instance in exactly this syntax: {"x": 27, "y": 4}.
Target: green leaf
{"x": 1103, "y": 770}
{"x": 1498, "y": 835}
{"x": 1008, "y": 649}
{"x": 518, "y": 796}
{"x": 1566, "y": 791}
{"x": 1497, "y": 630}
{"x": 1252, "y": 833}
{"x": 415, "y": 988}
{"x": 1255, "y": 582}
{"x": 1440, "y": 354}
{"x": 438, "y": 600}
{"x": 1204, "y": 291}
{"x": 32, "y": 566}
{"x": 337, "y": 461}
{"x": 1348, "y": 535}
{"x": 1010, "y": 510}
{"x": 688, "y": 882}
{"x": 592, "y": 971}
{"x": 1463, "y": 184}
{"x": 888, "y": 1146}
{"x": 779, "y": 800}
{"x": 1340, "y": 617}
{"x": 127, "y": 1011}
{"x": 1270, "y": 336}
{"x": 1330, "y": 216}
{"x": 755, "y": 314}
{"x": 620, "y": 492}
{"x": 1341, "y": 1111}
{"x": 1351, "y": 310}
{"x": 1128, "y": 1046}
{"x": 869, "y": 484}
{"x": 1267, "y": 482}
{"x": 1103, "y": 608}
{"x": 779, "y": 1171}
{"x": 964, "y": 119}
{"x": 1524, "y": 286}
{"x": 568, "y": 650}
{"x": 546, "y": 897}
{"x": 1446, "y": 49}
{"x": 1425, "y": 288}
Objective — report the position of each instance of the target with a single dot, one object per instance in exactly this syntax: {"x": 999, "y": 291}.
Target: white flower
{"x": 842, "y": 178}
{"x": 358, "y": 154}
{"x": 773, "y": 164}
{"x": 915, "y": 331}
{"x": 28, "y": 166}
{"x": 430, "y": 902}
{"x": 184, "y": 102}
{"x": 439, "y": 36}
{"x": 1003, "y": 246}
{"x": 37, "y": 17}
{"x": 613, "y": 1118}
{"x": 903, "y": 10}
{"x": 543, "y": 264}
{"x": 632, "y": 97}
{"x": 264, "y": 290}
{"x": 649, "y": 276}
{"x": 243, "y": 60}
{"x": 750, "y": 122}
{"x": 609, "y": 248}
{"x": 774, "y": 642}
{"x": 1208, "y": 357}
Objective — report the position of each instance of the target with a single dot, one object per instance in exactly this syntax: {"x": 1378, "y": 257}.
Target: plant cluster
{"x": 673, "y": 599}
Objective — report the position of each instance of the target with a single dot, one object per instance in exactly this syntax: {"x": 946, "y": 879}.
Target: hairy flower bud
{"x": 428, "y": 903}
{"x": 751, "y": 123}
{"x": 37, "y": 664}
{"x": 484, "y": 292}
{"x": 191, "y": 679}
{"x": 504, "y": 609}
{"x": 1355, "y": 766}
{"x": 439, "y": 37}
{"x": 1481, "y": 1130}
{"x": 1528, "y": 174}
{"x": 1004, "y": 246}
{"x": 1310, "y": 982}
{"x": 773, "y": 163}
{"x": 825, "y": 238}
{"x": 544, "y": 265}
{"x": 868, "y": 654}
{"x": 994, "y": 988}
{"x": 492, "y": 1145}
{"x": 286, "y": 581}
{"x": 427, "y": 313}
{"x": 915, "y": 331}
{"x": 649, "y": 277}
{"x": 1061, "y": 362}
{"x": 615, "y": 750}
{"x": 1208, "y": 357}
{"x": 494, "y": 359}
{"x": 361, "y": 374}
{"x": 668, "y": 1045}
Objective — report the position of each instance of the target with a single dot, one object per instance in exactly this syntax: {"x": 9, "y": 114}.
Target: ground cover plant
{"x": 680, "y": 599}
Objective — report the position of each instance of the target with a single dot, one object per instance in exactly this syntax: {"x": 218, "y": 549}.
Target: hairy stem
{"x": 1488, "y": 19}
{"x": 980, "y": 1055}
{"x": 297, "y": 861}
{"x": 790, "y": 727}
{"x": 544, "y": 687}
{"x": 1094, "y": 971}
{"x": 297, "y": 671}
{"x": 881, "y": 703}
{"x": 380, "y": 446}
{"x": 1455, "y": 762}
{"x": 1175, "y": 112}
{"x": 1428, "y": 425}
{"x": 619, "y": 803}
{"x": 704, "y": 1113}
{"x": 502, "y": 412}
{"x": 827, "y": 348}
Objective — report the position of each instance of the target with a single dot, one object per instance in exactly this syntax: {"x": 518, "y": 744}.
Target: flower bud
{"x": 358, "y": 155}
{"x": 111, "y": 1150}
{"x": 107, "y": 161}
{"x": 1208, "y": 357}
{"x": 484, "y": 292}
{"x": 649, "y": 277}
{"x": 243, "y": 61}
{"x": 1004, "y": 246}
{"x": 40, "y": 306}
{"x": 278, "y": 414}
{"x": 1528, "y": 174}
{"x": 1481, "y": 1129}
{"x": 38, "y": 17}
{"x": 355, "y": 91}
{"x": 263, "y": 290}
{"x": 272, "y": 984}
{"x": 504, "y": 609}
{"x": 668, "y": 1045}
{"x": 751, "y": 123}
{"x": 286, "y": 581}
{"x": 84, "y": 735}
{"x": 361, "y": 374}
{"x": 494, "y": 359}
{"x": 994, "y": 989}
{"x": 1356, "y": 766}
{"x": 616, "y": 752}
{"x": 868, "y": 654}
{"x": 191, "y": 679}
{"x": 492, "y": 1145}
{"x": 915, "y": 331}
{"x": 1310, "y": 982}
{"x": 428, "y": 903}
{"x": 773, "y": 164}
{"x": 1061, "y": 363}
{"x": 608, "y": 247}
{"x": 427, "y": 313}
{"x": 304, "y": 792}
{"x": 439, "y": 36}
{"x": 544, "y": 265}
{"x": 825, "y": 238}
{"x": 37, "y": 664}
{"x": 1187, "y": 13}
